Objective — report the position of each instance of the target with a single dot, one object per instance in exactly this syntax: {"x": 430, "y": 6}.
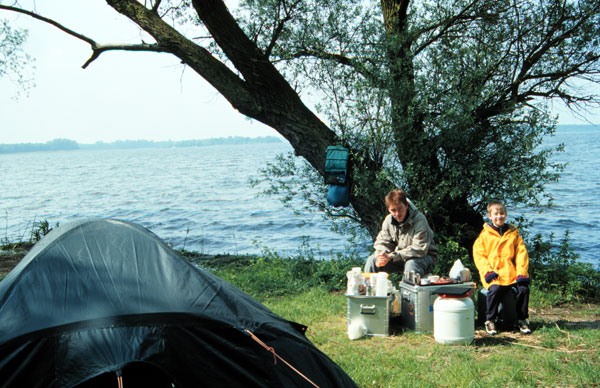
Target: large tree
{"x": 446, "y": 99}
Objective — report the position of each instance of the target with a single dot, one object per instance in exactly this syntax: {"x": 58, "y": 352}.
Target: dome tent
{"x": 96, "y": 297}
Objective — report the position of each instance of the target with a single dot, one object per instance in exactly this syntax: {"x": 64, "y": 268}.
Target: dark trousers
{"x": 494, "y": 297}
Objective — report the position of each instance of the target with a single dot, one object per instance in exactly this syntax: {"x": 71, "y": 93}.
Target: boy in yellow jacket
{"x": 502, "y": 261}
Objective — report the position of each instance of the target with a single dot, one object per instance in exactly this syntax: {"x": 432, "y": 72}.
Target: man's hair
{"x": 495, "y": 203}
{"x": 396, "y": 196}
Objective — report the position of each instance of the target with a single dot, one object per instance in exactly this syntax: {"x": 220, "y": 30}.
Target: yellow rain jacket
{"x": 506, "y": 255}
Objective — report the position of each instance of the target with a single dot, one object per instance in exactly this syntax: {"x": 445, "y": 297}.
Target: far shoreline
{"x": 71, "y": 145}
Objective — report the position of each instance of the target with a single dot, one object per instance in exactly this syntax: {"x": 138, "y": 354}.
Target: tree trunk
{"x": 415, "y": 150}
{"x": 262, "y": 93}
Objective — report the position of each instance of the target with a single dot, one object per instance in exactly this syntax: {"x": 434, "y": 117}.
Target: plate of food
{"x": 442, "y": 280}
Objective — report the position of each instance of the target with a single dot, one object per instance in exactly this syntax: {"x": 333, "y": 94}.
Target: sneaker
{"x": 523, "y": 326}
{"x": 490, "y": 328}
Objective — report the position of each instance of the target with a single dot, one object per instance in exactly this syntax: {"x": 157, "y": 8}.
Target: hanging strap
{"x": 276, "y": 356}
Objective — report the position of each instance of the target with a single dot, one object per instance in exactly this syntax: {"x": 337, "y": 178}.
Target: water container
{"x": 381, "y": 285}
{"x": 454, "y": 319}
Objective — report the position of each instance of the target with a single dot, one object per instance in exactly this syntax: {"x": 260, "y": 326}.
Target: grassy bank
{"x": 562, "y": 351}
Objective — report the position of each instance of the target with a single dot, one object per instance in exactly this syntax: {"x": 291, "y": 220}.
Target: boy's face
{"x": 497, "y": 215}
{"x": 398, "y": 211}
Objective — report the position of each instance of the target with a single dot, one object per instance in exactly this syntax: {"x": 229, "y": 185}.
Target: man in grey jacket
{"x": 405, "y": 242}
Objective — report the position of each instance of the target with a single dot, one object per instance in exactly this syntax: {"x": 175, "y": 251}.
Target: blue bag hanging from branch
{"x": 337, "y": 175}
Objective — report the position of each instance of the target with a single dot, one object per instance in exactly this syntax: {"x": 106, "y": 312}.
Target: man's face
{"x": 398, "y": 211}
{"x": 497, "y": 215}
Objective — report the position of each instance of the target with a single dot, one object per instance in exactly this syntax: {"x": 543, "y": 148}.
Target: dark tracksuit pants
{"x": 494, "y": 298}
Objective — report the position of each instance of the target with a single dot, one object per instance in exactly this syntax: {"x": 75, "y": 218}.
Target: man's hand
{"x": 383, "y": 259}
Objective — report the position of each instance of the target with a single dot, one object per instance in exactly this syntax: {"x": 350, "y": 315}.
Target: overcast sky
{"x": 121, "y": 95}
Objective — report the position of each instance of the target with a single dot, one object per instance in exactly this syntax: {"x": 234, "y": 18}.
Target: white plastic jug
{"x": 381, "y": 284}
{"x": 453, "y": 320}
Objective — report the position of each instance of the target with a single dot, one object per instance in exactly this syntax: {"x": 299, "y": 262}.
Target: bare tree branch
{"x": 99, "y": 49}
{"x": 546, "y": 84}
{"x": 277, "y": 31}
{"x": 461, "y": 18}
{"x": 156, "y": 6}
{"x": 338, "y": 58}
{"x": 34, "y": 15}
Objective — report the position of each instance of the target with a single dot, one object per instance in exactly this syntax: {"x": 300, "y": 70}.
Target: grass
{"x": 559, "y": 353}
{"x": 562, "y": 351}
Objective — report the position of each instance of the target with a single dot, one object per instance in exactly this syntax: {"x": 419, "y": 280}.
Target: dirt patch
{"x": 574, "y": 316}
{"x": 7, "y": 263}
{"x": 10, "y": 255}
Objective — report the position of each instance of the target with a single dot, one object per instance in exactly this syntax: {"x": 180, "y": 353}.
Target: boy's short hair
{"x": 396, "y": 196}
{"x": 495, "y": 203}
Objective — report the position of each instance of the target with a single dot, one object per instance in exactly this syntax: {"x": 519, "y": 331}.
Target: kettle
{"x": 465, "y": 275}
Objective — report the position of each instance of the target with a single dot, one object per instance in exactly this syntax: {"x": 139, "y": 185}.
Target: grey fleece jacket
{"x": 410, "y": 239}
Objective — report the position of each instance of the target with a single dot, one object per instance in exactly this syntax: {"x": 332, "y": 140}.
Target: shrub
{"x": 271, "y": 274}
{"x": 450, "y": 250}
{"x": 40, "y": 229}
{"x": 555, "y": 268}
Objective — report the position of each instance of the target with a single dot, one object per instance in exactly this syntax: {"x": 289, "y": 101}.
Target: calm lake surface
{"x": 199, "y": 198}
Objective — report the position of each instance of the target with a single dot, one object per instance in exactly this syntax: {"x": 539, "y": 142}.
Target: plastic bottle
{"x": 381, "y": 284}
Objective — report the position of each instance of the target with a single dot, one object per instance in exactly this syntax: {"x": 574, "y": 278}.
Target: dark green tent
{"x": 106, "y": 303}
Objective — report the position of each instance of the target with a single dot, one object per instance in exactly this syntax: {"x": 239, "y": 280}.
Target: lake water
{"x": 199, "y": 198}
{"x": 193, "y": 197}
{"x": 576, "y": 205}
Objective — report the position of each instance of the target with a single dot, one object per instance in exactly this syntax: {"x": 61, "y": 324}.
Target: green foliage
{"x": 450, "y": 250}
{"x": 299, "y": 186}
{"x": 40, "y": 229}
{"x": 270, "y": 274}
{"x": 555, "y": 269}
{"x": 13, "y": 60}
{"x": 438, "y": 101}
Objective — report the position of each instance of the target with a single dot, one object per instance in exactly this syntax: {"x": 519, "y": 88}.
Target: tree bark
{"x": 260, "y": 93}
{"x": 415, "y": 150}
